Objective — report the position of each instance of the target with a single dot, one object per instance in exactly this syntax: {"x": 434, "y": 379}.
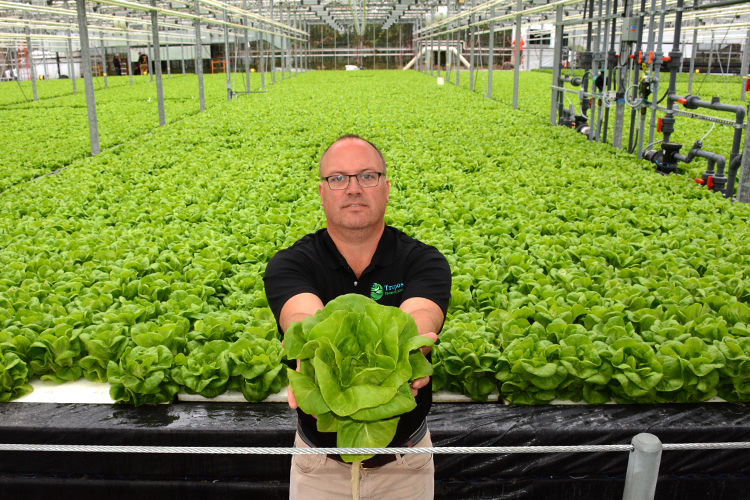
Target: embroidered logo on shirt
{"x": 377, "y": 291}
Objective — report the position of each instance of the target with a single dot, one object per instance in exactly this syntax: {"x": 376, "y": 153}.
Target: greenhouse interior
{"x": 537, "y": 285}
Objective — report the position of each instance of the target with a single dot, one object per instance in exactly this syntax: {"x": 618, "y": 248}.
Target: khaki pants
{"x": 317, "y": 477}
{"x": 144, "y": 69}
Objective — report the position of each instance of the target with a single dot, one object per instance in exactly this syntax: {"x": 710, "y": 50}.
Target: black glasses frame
{"x": 349, "y": 180}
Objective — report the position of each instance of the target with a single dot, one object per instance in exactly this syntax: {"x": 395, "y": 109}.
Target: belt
{"x": 377, "y": 460}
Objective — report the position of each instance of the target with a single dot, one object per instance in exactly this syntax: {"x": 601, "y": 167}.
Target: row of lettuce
{"x": 46, "y": 135}
{"x": 578, "y": 273}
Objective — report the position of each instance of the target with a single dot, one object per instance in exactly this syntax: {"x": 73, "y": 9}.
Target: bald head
{"x": 350, "y": 137}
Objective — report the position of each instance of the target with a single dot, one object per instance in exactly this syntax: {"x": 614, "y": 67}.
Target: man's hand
{"x": 421, "y": 382}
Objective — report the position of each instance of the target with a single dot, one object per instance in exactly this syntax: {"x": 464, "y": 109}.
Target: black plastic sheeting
{"x": 715, "y": 474}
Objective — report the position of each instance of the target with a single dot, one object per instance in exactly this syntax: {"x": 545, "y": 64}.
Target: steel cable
{"x": 446, "y": 450}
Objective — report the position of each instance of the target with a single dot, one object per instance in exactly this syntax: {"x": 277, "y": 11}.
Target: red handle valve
{"x": 650, "y": 56}
{"x": 682, "y": 101}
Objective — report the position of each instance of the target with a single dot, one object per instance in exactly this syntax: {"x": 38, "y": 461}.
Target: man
{"x": 358, "y": 253}
{"x": 116, "y": 63}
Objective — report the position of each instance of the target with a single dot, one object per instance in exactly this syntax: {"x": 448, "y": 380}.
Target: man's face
{"x": 355, "y": 207}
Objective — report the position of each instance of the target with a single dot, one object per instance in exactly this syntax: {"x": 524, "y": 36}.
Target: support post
{"x": 227, "y": 63}
{"x": 44, "y": 62}
{"x": 556, "y": 95}
{"x": 199, "y": 56}
{"x": 472, "y": 42}
{"x": 458, "y": 56}
{"x": 743, "y": 190}
{"x": 71, "y": 63}
{"x": 182, "y": 58}
{"x": 261, "y": 49}
{"x": 692, "y": 58}
{"x": 151, "y": 59}
{"x": 490, "y": 63}
{"x": 32, "y": 68}
{"x": 104, "y": 57}
{"x": 88, "y": 80}
{"x": 273, "y": 49}
{"x": 432, "y": 41}
{"x": 744, "y": 68}
{"x": 247, "y": 48}
{"x": 643, "y": 468}
{"x": 711, "y": 54}
{"x": 157, "y": 62}
{"x": 130, "y": 65}
{"x": 169, "y": 61}
{"x": 517, "y": 56}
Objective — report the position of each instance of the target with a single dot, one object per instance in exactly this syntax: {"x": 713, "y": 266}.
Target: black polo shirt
{"x": 401, "y": 268}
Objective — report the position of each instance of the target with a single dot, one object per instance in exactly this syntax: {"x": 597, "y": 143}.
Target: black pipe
{"x": 694, "y": 102}
{"x": 734, "y": 166}
{"x": 611, "y": 62}
{"x": 637, "y": 74}
{"x": 586, "y": 59}
{"x": 720, "y": 181}
{"x": 675, "y": 63}
{"x": 573, "y": 80}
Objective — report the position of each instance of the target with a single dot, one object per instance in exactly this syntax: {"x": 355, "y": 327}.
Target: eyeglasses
{"x": 365, "y": 179}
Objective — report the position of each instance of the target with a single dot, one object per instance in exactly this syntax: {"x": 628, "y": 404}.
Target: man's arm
{"x": 297, "y": 308}
{"x": 427, "y": 315}
{"x": 429, "y": 319}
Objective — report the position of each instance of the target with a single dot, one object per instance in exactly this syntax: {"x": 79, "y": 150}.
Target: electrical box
{"x": 629, "y": 29}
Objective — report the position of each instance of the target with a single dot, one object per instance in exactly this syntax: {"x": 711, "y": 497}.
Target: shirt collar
{"x": 384, "y": 254}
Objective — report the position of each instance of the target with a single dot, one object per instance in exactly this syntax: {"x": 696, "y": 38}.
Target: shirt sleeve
{"x": 428, "y": 276}
{"x": 288, "y": 274}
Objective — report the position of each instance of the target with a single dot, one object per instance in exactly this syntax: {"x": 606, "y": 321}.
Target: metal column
{"x": 227, "y": 63}
{"x": 458, "y": 44}
{"x": 32, "y": 68}
{"x": 692, "y": 58}
{"x": 472, "y": 42}
{"x": 743, "y": 189}
{"x": 261, "y": 49}
{"x": 432, "y": 42}
{"x": 744, "y": 68}
{"x": 273, "y": 48}
{"x": 517, "y": 52}
{"x": 649, "y": 48}
{"x": 71, "y": 63}
{"x": 556, "y": 95}
{"x": 247, "y": 48}
{"x": 150, "y": 59}
{"x": 157, "y": 62}
{"x": 130, "y": 65}
{"x": 711, "y": 54}
{"x": 657, "y": 70}
{"x": 169, "y": 62}
{"x": 492, "y": 53}
{"x": 88, "y": 80}
{"x": 199, "y": 56}
{"x": 182, "y": 58}
{"x": 104, "y": 57}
